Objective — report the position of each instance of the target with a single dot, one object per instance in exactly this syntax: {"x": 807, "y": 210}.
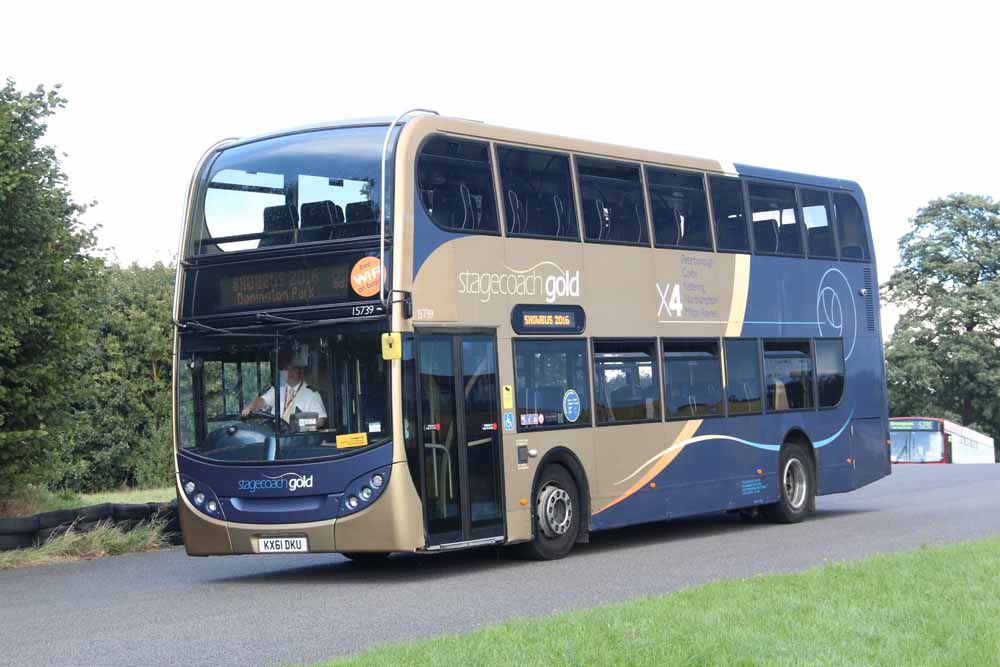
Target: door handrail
{"x": 382, "y": 294}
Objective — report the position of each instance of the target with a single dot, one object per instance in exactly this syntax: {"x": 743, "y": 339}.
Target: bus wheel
{"x": 556, "y": 515}
{"x": 797, "y": 486}
{"x": 365, "y": 556}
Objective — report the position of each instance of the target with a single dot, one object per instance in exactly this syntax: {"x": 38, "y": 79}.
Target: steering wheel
{"x": 260, "y": 415}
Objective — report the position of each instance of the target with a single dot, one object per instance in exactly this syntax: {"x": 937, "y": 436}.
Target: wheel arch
{"x": 568, "y": 460}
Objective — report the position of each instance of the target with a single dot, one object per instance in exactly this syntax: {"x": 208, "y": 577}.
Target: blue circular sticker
{"x": 571, "y": 405}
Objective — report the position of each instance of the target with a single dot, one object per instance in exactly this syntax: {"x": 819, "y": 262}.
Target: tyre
{"x": 797, "y": 483}
{"x": 95, "y": 512}
{"x": 366, "y": 557}
{"x": 19, "y": 525}
{"x": 132, "y": 511}
{"x": 9, "y": 541}
{"x": 55, "y": 518}
{"x": 556, "y": 515}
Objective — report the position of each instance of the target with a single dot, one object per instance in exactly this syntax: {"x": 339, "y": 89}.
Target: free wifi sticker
{"x": 366, "y": 276}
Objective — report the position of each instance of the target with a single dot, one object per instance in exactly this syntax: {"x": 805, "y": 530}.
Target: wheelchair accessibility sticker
{"x": 508, "y": 421}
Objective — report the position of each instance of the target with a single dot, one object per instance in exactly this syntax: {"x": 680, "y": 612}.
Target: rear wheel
{"x": 795, "y": 475}
{"x": 557, "y": 515}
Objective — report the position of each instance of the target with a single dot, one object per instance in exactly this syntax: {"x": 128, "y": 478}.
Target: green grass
{"x": 933, "y": 606}
{"x": 103, "y": 540}
{"x": 34, "y": 499}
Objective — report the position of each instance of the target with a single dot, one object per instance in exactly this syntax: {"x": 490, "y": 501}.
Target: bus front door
{"x": 459, "y": 437}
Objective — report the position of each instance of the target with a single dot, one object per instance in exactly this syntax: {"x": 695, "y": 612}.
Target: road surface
{"x": 164, "y": 608}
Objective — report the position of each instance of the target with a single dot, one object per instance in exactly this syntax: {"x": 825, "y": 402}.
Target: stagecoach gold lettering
{"x": 528, "y": 283}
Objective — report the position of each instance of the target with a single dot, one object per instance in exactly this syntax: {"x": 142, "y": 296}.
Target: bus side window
{"x": 830, "y": 370}
{"x": 680, "y": 209}
{"x": 455, "y": 183}
{"x": 553, "y": 389}
{"x": 788, "y": 371}
{"x": 776, "y": 229}
{"x": 537, "y": 193}
{"x": 743, "y": 376}
{"x": 819, "y": 231}
{"x": 692, "y": 378}
{"x": 850, "y": 228}
{"x": 626, "y": 382}
{"x": 614, "y": 210}
{"x": 729, "y": 213}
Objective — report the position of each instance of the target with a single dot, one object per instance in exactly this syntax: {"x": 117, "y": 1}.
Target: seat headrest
{"x": 278, "y": 219}
{"x": 361, "y": 211}
{"x": 765, "y": 235}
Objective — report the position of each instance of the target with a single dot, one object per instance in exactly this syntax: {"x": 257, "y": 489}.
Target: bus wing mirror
{"x": 392, "y": 346}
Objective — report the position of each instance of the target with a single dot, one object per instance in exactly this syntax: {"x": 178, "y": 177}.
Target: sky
{"x": 903, "y": 101}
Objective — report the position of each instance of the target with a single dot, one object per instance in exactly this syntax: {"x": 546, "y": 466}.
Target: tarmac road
{"x": 165, "y": 608}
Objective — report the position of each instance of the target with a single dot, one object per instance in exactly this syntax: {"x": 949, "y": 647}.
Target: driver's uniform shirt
{"x": 299, "y": 397}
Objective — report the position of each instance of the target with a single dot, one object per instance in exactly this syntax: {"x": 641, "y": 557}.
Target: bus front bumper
{"x": 393, "y": 522}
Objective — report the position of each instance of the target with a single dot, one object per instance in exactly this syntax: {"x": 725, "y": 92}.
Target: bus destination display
{"x": 296, "y": 282}
{"x": 914, "y": 425}
{"x": 538, "y": 319}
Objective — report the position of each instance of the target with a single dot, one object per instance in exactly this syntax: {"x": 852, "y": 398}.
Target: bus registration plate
{"x": 282, "y": 545}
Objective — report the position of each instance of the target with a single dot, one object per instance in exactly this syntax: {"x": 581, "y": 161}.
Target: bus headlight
{"x": 189, "y": 488}
{"x": 212, "y": 506}
{"x": 364, "y": 490}
{"x": 199, "y": 499}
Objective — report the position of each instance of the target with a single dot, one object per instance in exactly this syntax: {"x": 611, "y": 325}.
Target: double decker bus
{"x": 433, "y": 333}
{"x": 936, "y": 440}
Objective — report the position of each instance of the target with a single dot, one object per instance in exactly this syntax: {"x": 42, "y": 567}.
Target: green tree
{"x": 123, "y": 434}
{"x": 944, "y": 354}
{"x": 46, "y": 285}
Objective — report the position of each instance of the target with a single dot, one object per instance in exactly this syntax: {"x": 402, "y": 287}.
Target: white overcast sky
{"x": 901, "y": 97}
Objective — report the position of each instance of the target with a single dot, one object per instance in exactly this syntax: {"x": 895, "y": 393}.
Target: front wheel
{"x": 797, "y": 486}
{"x": 557, "y": 515}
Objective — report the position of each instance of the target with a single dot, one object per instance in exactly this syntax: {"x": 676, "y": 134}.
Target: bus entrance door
{"x": 459, "y": 438}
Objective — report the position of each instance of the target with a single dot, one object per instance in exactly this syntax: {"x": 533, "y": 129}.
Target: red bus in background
{"x": 936, "y": 440}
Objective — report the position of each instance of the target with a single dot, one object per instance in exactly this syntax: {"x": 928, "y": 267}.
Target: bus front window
{"x": 282, "y": 399}
{"x": 916, "y": 447}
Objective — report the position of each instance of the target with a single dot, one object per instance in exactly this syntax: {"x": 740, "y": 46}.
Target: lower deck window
{"x": 692, "y": 378}
{"x": 789, "y": 373}
{"x": 553, "y": 390}
{"x": 626, "y": 385}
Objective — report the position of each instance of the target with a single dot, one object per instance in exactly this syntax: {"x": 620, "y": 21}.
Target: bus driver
{"x": 295, "y": 396}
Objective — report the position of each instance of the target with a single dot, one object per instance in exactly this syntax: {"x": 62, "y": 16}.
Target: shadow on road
{"x": 429, "y": 567}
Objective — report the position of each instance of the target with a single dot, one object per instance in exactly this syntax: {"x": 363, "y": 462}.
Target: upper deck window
{"x": 776, "y": 229}
{"x": 850, "y": 228}
{"x": 611, "y": 197}
{"x": 455, "y": 184}
{"x": 537, "y": 193}
{"x": 819, "y": 232}
{"x": 729, "y": 212}
{"x": 299, "y": 188}
{"x": 680, "y": 209}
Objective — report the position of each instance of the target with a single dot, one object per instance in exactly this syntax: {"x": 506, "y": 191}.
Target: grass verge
{"x": 34, "y": 499}
{"x": 932, "y": 606}
{"x": 102, "y": 540}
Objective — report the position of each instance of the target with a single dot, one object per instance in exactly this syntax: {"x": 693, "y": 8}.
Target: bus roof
{"x": 501, "y": 133}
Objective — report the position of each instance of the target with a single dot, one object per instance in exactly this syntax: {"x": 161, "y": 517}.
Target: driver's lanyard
{"x": 290, "y": 399}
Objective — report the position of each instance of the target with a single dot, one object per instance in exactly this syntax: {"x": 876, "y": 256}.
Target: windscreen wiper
{"x": 195, "y": 324}
{"x": 277, "y": 319}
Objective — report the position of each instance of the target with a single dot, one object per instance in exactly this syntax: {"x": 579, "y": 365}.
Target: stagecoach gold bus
{"x": 433, "y": 333}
